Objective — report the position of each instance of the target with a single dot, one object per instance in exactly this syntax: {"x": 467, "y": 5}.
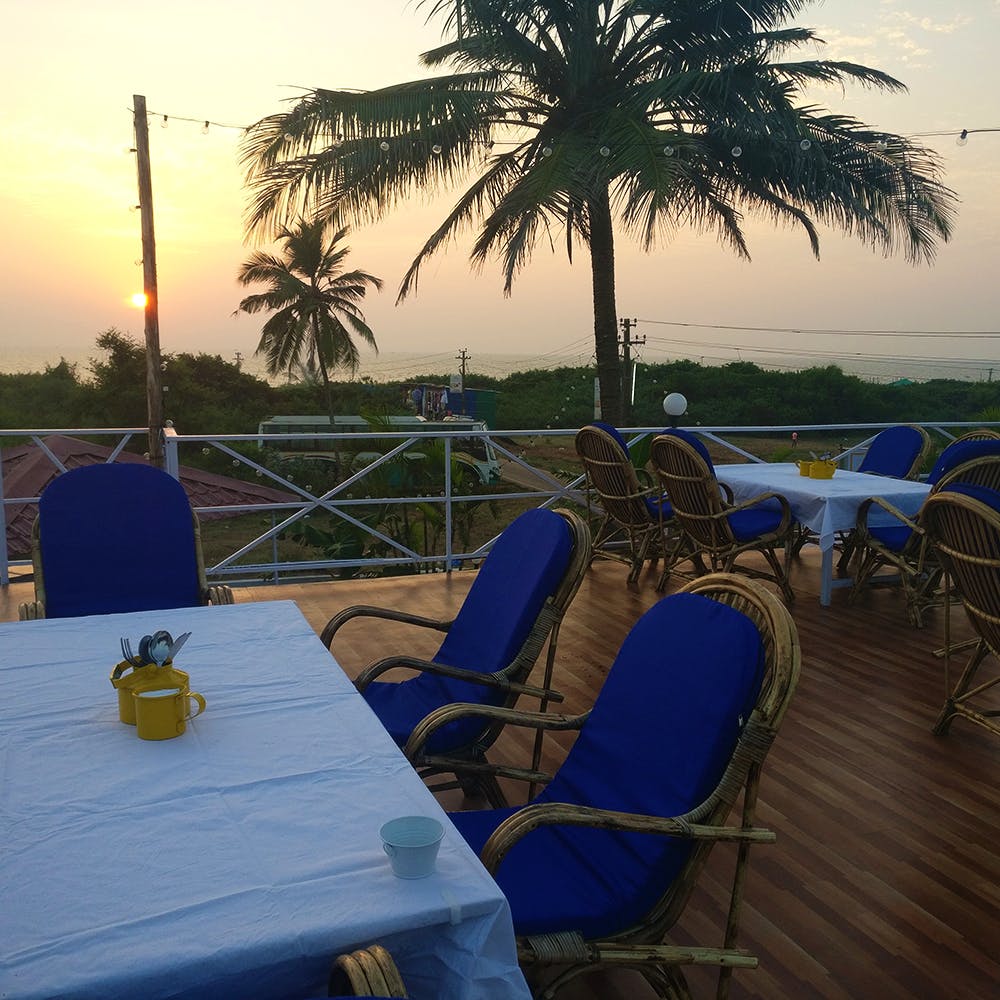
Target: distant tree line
{"x": 205, "y": 394}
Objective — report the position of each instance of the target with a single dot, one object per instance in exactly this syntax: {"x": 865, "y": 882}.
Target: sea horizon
{"x": 398, "y": 366}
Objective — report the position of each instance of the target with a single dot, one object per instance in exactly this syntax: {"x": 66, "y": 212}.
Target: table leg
{"x": 826, "y": 577}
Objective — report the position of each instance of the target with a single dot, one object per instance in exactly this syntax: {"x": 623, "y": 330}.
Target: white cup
{"x": 412, "y": 844}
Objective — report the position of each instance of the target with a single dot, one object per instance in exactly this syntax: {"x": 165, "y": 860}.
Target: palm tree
{"x": 314, "y": 301}
{"x": 654, "y": 114}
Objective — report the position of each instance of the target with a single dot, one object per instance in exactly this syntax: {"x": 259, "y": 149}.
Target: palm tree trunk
{"x": 321, "y": 361}
{"x": 602, "y": 266}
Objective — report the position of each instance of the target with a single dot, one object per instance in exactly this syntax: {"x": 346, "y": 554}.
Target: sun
{"x": 139, "y": 300}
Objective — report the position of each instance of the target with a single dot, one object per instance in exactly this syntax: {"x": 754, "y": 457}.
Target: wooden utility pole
{"x": 154, "y": 385}
{"x": 627, "y": 342}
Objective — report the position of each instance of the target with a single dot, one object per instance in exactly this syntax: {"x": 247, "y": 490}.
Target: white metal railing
{"x": 346, "y": 501}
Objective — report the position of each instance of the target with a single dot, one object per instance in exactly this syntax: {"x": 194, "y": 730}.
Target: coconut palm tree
{"x": 314, "y": 301}
{"x": 573, "y": 115}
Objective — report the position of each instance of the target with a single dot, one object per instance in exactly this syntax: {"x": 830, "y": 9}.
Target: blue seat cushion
{"x": 659, "y": 506}
{"x": 657, "y": 741}
{"x": 115, "y": 538}
{"x": 893, "y": 452}
{"x": 755, "y": 521}
{"x": 981, "y": 493}
{"x": 960, "y": 452}
{"x": 523, "y": 569}
{"x": 893, "y": 536}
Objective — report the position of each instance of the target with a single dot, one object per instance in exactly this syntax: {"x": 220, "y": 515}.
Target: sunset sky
{"x": 70, "y": 245}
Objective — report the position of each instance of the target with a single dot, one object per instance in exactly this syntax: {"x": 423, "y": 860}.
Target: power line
{"x": 953, "y": 335}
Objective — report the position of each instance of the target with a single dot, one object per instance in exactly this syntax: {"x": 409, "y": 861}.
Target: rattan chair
{"x": 368, "y": 972}
{"x": 897, "y": 452}
{"x": 516, "y": 603}
{"x": 600, "y": 865}
{"x": 114, "y": 538}
{"x": 885, "y": 538}
{"x": 631, "y": 515}
{"x": 713, "y": 526}
{"x": 963, "y": 526}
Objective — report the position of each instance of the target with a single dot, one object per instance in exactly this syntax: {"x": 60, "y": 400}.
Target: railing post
{"x": 4, "y": 571}
{"x": 447, "y": 505}
{"x": 171, "y": 460}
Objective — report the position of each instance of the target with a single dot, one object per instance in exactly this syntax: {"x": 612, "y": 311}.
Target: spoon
{"x": 159, "y": 647}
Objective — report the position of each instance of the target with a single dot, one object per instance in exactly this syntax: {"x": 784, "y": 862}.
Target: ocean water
{"x": 398, "y": 366}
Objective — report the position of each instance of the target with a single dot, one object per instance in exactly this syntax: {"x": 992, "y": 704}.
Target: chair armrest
{"x": 786, "y": 510}
{"x": 387, "y": 614}
{"x": 427, "y": 726}
{"x": 863, "y": 510}
{"x": 498, "y": 681}
{"x": 511, "y": 830}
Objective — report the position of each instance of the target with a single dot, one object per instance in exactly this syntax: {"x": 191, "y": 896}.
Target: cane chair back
{"x": 600, "y": 865}
{"x": 628, "y": 509}
{"x": 962, "y": 522}
{"x": 116, "y": 537}
{"x": 717, "y": 529}
{"x": 368, "y": 972}
{"x": 515, "y": 606}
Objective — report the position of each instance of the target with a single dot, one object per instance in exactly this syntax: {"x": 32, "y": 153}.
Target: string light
{"x": 880, "y": 145}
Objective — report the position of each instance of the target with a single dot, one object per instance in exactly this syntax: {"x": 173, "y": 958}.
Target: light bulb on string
{"x": 546, "y": 150}
{"x": 384, "y": 146}
{"x": 163, "y": 124}
{"x": 881, "y": 146}
{"x": 805, "y": 144}
{"x": 737, "y": 152}
{"x": 668, "y": 150}
{"x": 605, "y": 151}
{"x": 204, "y": 129}
{"x": 436, "y": 149}
{"x": 963, "y": 138}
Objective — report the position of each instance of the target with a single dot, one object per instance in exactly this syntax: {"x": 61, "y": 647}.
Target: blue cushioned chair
{"x": 113, "y": 538}
{"x": 714, "y": 526}
{"x": 516, "y": 603}
{"x": 640, "y": 515}
{"x": 897, "y": 451}
{"x": 962, "y": 521}
{"x": 885, "y": 538}
{"x": 599, "y": 865}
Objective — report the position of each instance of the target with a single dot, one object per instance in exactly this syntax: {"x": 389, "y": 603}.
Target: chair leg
{"x": 960, "y": 691}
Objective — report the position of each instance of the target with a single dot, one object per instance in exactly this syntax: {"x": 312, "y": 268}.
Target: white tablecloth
{"x": 234, "y": 861}
{"x": 825, "y": 506}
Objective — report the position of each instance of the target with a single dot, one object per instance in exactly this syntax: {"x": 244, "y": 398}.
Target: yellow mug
{"x": 805, "y": 468}
{"x": 822, "y": 470}
{"x": 161, "y": 713}
{"x": 149, "y": 675}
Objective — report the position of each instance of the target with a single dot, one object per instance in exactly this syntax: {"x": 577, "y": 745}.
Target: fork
{"x": 127, "y": 651}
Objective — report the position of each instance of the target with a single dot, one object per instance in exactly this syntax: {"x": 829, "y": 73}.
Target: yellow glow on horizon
{"x": 139, "y": 300}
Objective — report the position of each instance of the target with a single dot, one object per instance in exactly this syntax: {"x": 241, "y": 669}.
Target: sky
{"x": 70, "y": 249}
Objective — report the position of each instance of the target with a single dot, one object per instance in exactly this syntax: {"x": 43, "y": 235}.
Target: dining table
{"x": 236, "y": 860}
{"x": 826, "y": 507}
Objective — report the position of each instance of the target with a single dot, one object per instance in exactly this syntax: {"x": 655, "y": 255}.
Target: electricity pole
{"x": 626, "y": 342}
{"x": 462, "y": 357}
{"x": 154, "y": 387}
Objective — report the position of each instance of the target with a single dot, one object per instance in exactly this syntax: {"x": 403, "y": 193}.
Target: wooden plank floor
{"x": 885, "y": 880}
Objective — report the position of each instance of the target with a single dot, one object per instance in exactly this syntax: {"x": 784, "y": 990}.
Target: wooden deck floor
{"x": 885, "y": 880}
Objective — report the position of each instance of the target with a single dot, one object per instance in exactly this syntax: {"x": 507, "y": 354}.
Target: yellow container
{"x": 805, "y": 468}
{"x": 161, "y": 713}
{"x": 823, "y": 470}
{"x": 126, "y": 678}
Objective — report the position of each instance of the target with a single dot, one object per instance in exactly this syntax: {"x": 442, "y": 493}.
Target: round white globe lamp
{"x": 674, "y": 406}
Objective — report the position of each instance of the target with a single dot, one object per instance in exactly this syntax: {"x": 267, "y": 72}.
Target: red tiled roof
{"x": 27, "y": 470}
